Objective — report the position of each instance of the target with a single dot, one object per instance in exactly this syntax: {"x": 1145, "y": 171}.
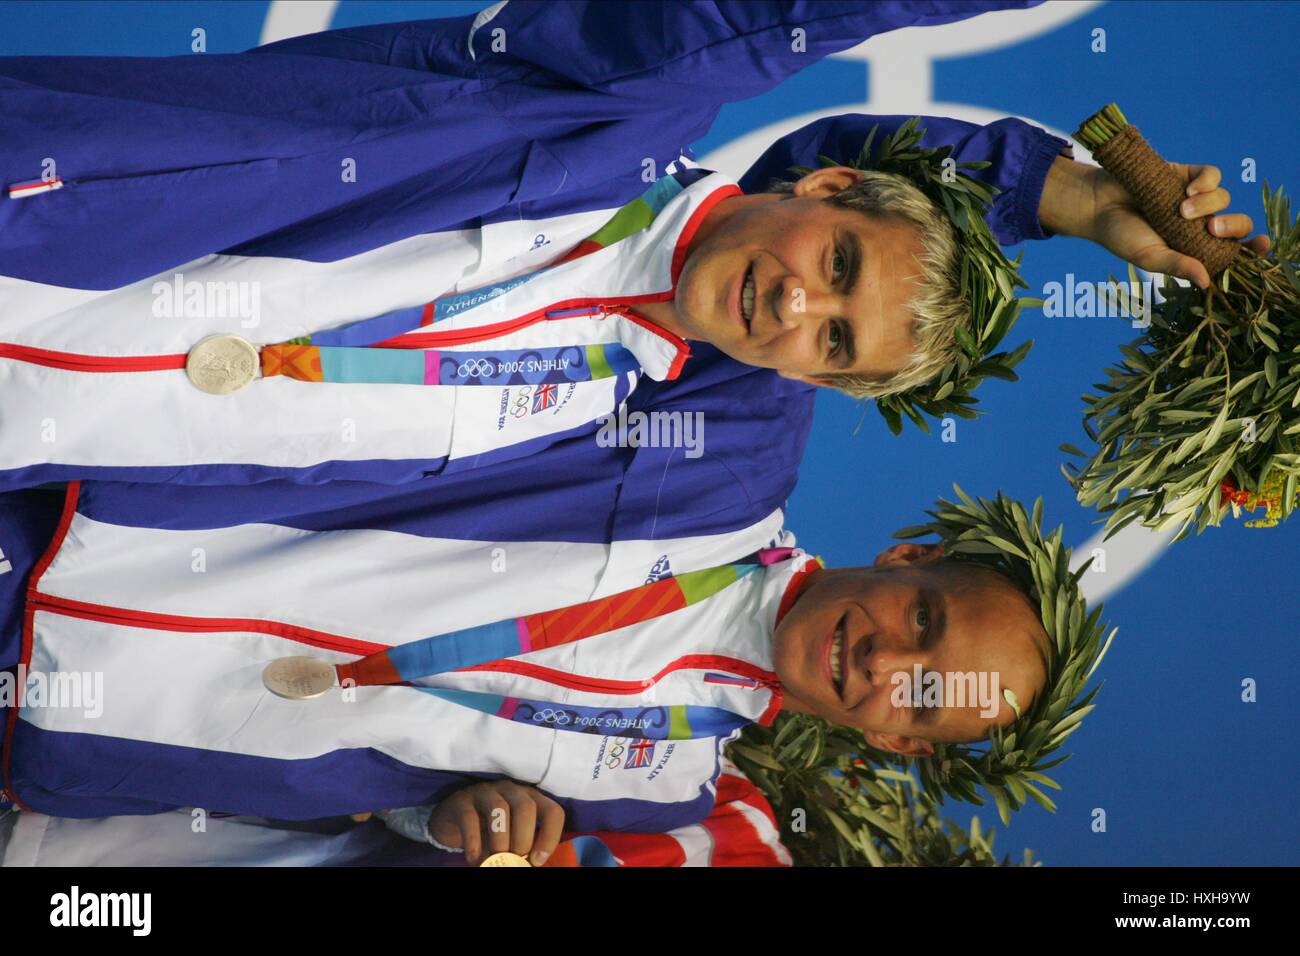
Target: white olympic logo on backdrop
{"x": 900, "y": 65}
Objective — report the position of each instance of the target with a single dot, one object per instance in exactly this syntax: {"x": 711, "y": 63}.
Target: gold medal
{"x": 298, "y": 678}
{"x": 221, "y": 364}
{"x": 505, "y": 859}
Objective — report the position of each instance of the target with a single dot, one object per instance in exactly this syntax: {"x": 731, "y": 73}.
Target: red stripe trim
{"x": 199, "y": 625}
{"x": 419, "y": 340}
{"x": 52, "y": 184}
{"x": 693, "y": 226}
{"x": 773, "y": 707}
{"x": 683, "y": 348}
{"x": 798, "y": 584}
{"x": 603, "y": 685}
{"x": 29, "y": 617}
{"x": 91, "y": 363}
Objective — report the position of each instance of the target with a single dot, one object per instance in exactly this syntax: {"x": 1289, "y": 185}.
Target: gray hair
{"x": 938, "y": 307}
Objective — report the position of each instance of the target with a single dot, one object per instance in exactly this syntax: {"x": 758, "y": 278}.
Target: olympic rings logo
{"x": 548, "y": 716}
{"x": 614, "y": 756}
{"x": 522, "y": 402}
{"x": 476, "y": 368}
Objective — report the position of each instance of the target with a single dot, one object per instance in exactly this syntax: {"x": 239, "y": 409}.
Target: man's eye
{"x": 838, "y": 257}
{"x": 836, "y": 339}
{"x": 922, "y": 618}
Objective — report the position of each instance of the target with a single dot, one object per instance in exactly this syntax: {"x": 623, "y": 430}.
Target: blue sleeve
{"x": 721, "y": 50}
{"x": 1020, "y": 153}
{"x": 600, "y": 88}
{"x": 742, "y": 47}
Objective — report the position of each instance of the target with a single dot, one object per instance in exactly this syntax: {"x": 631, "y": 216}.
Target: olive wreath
{"x": 988, "y": 278}
{"x": 1010, "y": 765}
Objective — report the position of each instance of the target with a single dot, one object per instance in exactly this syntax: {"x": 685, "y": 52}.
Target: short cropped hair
{"x": 973, "y": 571}
{"x": 938, "y": 308}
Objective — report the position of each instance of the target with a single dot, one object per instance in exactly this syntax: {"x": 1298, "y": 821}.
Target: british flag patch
{"x": 545, "y": 396}
{"x": 640, "y": 753}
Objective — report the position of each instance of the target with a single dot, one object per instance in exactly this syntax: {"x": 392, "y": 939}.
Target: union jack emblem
{"x": 640, "y": 754}
{"x": 544, "y": 397}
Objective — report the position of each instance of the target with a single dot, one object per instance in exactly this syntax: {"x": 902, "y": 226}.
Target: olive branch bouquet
{"x": 1201, "y": 417}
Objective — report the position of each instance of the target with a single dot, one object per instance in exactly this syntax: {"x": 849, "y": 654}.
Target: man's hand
{"x": 1086, "y": 201}
{"x": 499, "y": 816}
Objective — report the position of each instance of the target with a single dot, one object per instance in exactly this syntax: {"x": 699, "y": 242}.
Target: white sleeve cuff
{"x": 413, "y": 823}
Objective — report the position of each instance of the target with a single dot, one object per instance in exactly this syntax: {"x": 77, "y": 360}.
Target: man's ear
{"x": 899, "y": 744}
{"x": 828, "y": 181}
{"x": 908, "y": 553}
{"x": 807, "y": 379}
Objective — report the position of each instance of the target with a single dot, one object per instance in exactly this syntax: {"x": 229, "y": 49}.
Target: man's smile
{"x": 835, "y": 658}
{"x": 742, "y": 299}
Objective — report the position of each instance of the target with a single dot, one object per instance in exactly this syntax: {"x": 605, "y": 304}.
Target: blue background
{"x": 1186, "y": 772}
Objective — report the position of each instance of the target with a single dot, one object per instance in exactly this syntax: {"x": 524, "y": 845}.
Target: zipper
{"x": 742, "y": 673}
{"x": 187, "y": 623}
{"x": 91, "y": 363}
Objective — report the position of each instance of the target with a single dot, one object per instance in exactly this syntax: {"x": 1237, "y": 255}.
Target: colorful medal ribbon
{"x": 487, "y": 643}
{"x": 299, "y": 359}
{"x": 352, "y": 355}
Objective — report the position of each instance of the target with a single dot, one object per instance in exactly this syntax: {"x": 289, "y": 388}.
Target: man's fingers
{"x": 1203, "y": 179}
{"x": 550, "y": 827}
{"x": 1235, "y": 225}
{"x": 495, "y": 815}
{"x": 1260, "y": 244}
{"x": 499, "y": 817}
{"x": 523, "y": 821}
{"x": 1173, "y": 263}
{"x": 468, "y": 822}
{"x": 1204, "y": 204}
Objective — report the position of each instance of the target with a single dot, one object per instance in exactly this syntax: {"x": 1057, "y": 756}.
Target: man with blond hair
{"x": 256, "y": 279}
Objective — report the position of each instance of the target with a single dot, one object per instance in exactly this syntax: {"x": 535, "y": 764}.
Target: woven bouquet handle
{"x": 1153, "y": 183}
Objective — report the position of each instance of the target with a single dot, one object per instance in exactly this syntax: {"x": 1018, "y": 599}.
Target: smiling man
{"x": 857, "y": 635}
{"x": 287, "y": 291}
{"x": 607, "y": 678}
{"x": 845, "y": 640}
{"x": 817, "y": 291}
{"x": 395, "y": 251}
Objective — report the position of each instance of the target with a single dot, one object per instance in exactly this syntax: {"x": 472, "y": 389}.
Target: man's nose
{"x": 888, "y": 656}
{"x": 800, "y": 303}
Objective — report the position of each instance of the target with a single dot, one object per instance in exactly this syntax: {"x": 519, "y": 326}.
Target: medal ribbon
{"x": 350, "y": 354}
{"x": 646, "y": 722}
{"x": 298, "y": 359}
{"x": 487, "y": 643}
